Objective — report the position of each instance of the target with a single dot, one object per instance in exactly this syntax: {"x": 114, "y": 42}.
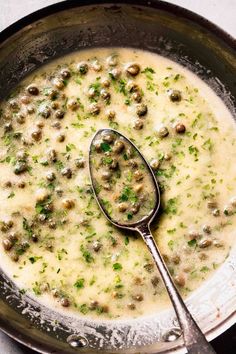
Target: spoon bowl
{"x": 97, "y": 155}
{"x": 127, "y": 192}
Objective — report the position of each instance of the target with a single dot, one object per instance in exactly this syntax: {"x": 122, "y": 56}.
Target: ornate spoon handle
{"x": 194, "y": 339}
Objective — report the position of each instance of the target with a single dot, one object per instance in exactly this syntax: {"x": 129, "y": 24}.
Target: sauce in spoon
{"x": 124, "y": 183}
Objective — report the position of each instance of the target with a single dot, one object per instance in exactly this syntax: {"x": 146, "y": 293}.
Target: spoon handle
{"x": 194, "y": 339}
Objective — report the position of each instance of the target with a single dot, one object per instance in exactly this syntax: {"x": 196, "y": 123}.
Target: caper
{"x": 82, "y": 68}
{"x": 180, "y": 280}
{"x": 42, "y": 218}
{"x": 131, "y": 306}
{"x": 45, "y": 112}
{"x": 96, "y": 66}
{"x": 65, "y": 73}
{"x": 21, "y": 184}
{"x": 59, "y": 114}
{"x": 52, "y": 155}
{"x": 93, "y": 305}
{"x": 175, "y": 259}
{"x": 133, "y": 69}
{"x": 60, "y": 137}
{"x": 56, "y": 124}
{"x": 7, "y": 244}
{"x": 8, "y": 127}
{"x": 37, "y": 134}
{"x": 193, "y": 235}
{"x": 154, "y": 164}
{"x": 94, "y": 109}
{"x": 216, "y": 212}
{"x": 167, "y": 156}
{"x": 229, "y": 210}
{"x": 80, "y": 162}
{"x": 96, "y": 246}
{"x": 149, "y": 267}
{"x": 202, "y": 256}
{"x": 105, "y": 94}
{"x": 55, "y": 105}
{"x": 65, "y": 302}
{"x": 106, "y": 175}
{"x": 175, "y": 95}
{"x": 20, "y": 167}
{"x": 110, "y": 114}
{"x": 135, "y": 208}
{"x": 97, "y": 145}
{"x": 137, "y": 97}
{"x": 40, "y": 124}
{"x": 108, "y": 137}
{"x": 205, "y": 242}
{"x": 112, "y": 60}
{"x": 106, "y": 186}
{"x": 59, "y": 191}
{"x": 155, "y": 281}
{"x": 138, "y": 175}
{"x": 138, "y": 124}
{"x": 53, "y": 94}
{"x": 30, "y": 109}
{"x": 115, "y": 73}
{"x": 7, "y": 184}
{"x": 180, "y": 128}
{"x": 25, "y": 99}
{"x": 118, "y": 146}
{"x": 20, "y": 118}
{"x": 33, "y": 90}
{"x": 50, "y": 176}
{"x": 163, "y": 132}
{"x": 21, "y": 155}
{"x": 48, "y": 207}
{"x": 114, "y": 165}
{"x": 133, "y": 163}
{"x": 14, "y": 257}
{"x": 132, "y": 86}
{"x": 138, "y": 297}
{"x": 122, "y": 207}
{"x": 35, "y": 238}
{"x": 58, "y": 83}
{"x": 67, "y": 172}
{"x": 206, "y": 229}
{"x": 141, "y": 109}
{"x": 72, "y": 104}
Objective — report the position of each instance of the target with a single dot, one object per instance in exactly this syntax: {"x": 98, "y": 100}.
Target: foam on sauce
{"x": 80, "y": 262}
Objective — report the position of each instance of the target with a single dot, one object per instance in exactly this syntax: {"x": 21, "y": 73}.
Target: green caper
{"x": 80, "y": 162}
{"x": 33, "y": 90}
{"x": 82, "y": 68}
{"x": 20, "y": 167}
{"x": 141, "y": 109}
{"x": 175, "y": 95}
{"x": 133, "y": 69}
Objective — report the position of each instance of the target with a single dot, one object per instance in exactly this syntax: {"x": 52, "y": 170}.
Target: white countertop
{"x": 220, "y": 12}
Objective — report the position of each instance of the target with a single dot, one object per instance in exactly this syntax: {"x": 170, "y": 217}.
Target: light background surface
{"x": 222, "y": 13}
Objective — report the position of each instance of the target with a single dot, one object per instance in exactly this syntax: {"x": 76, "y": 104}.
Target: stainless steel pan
{"x": 181, "y": 36}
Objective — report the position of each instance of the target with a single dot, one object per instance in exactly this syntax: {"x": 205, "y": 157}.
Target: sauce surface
{"x": 122, "y": 181}
{"x": 55, "y": 243}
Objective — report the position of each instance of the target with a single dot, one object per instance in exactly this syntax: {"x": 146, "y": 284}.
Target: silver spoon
{"x": 102, "y": 146}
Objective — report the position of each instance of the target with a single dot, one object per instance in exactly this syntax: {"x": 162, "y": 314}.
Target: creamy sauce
{"x": 56, "y": 243}
{"x": 121, "y": 178}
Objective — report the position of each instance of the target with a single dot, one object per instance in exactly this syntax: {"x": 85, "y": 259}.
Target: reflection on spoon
{"x": 128, "y": 194}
